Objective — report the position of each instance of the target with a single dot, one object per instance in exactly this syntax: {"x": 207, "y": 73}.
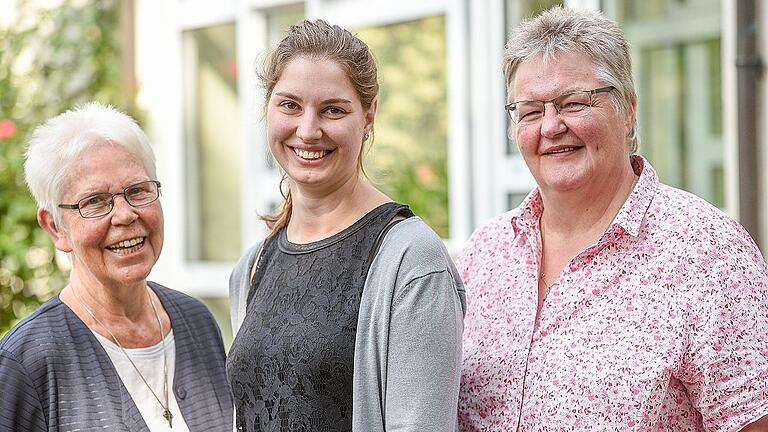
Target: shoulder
{"x": 179, "y": 299}
{"x": 39, "y": 323}
{"x": 239, "y": 282}
{"x": 183, "y": 307}
{"x": 495, "y": 230}
{"x": 413, "y": 257}
{"x": 496, "y": 234}
{"x": 414, "y": 248}
{"x": 46, "y": 333}
{"x": 695, "y": 224}
{"x": 240, "y": 276}
{"x": 715, "y": 258}
{"x": 245, "y": 262}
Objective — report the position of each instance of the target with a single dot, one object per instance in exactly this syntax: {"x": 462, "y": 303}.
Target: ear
{"x": 370, "y": 115}
{"x": 631, "y": 116}
{"x": 58, "y": 236}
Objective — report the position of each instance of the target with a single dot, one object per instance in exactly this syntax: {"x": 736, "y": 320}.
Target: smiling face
{"x": 570, "y": 153}
{"x": 316, "y": 124}
{"x": 117, "y": 249}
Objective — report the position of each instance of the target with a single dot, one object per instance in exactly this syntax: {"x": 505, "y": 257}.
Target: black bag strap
{"x": 402, "y": 213}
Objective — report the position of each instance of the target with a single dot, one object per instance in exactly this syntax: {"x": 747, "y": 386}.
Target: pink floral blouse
{"x": 662, "y": 325}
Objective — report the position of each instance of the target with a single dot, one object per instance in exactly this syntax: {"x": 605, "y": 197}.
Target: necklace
{"x": 166, "y": 408}
{"x": 546, "y": 283}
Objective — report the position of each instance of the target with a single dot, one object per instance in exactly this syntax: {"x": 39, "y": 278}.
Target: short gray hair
{"x": 56, "y": 144}
{"x": 561, "y": 30}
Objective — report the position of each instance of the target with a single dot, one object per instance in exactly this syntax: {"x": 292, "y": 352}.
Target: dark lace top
{"x": 290, "y": 365}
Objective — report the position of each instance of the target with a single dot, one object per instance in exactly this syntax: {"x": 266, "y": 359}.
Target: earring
{"x": 282, "y": 182}
{"x": 365, "y": 136}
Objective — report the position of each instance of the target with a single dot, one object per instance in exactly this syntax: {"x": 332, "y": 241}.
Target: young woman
{"x": 349, "y": 315}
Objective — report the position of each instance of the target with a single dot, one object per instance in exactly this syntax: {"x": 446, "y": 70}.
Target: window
{"x": 408, "y": 159}
{"x": 676, "y": 54}
{"x": 213, "y": 140}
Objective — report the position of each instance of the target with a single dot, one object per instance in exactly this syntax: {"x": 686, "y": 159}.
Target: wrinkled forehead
{"x": 100, "y": 168}
{"x": 545, "y": 77}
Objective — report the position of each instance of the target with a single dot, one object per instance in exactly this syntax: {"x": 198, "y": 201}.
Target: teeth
{"x": 127, "y": 243}
{"x": 304, "y": 154}
{"x": 563, "y": 150}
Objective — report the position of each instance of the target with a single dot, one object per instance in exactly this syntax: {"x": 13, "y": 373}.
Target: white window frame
{"x": 161, "y": 24}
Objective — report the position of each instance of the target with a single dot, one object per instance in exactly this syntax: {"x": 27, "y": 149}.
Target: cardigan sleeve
{"x": 422, "y": 386}
{"x": 20, "y": 406}
{"x": 408, "y": 342}
{"x": 239, "y": 282}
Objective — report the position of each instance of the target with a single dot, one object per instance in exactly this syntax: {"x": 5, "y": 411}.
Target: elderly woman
{"x": 112, "y": 351}
{"x": 607, "y": 300}
{"x": 350, "y": 312}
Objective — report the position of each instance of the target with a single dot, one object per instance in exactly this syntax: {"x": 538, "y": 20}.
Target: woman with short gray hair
{"x": 112, "y": 351}
{"x": 607, "y": 300}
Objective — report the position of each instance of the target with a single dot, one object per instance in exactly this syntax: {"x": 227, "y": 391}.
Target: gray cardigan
{"x": 56, "y": 376}
{"x": 408, "y": 345}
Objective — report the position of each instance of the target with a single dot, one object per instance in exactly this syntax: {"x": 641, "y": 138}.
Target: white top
{"x": 149, "y": 360}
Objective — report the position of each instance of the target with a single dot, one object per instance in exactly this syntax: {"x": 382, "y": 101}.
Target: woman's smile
{"x": 310, "y": 155}
{"x": 127, "y": 247}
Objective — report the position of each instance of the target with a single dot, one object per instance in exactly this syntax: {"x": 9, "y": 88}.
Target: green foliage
{"x": 409, "y": 159}
{"x": 50, "y": 61}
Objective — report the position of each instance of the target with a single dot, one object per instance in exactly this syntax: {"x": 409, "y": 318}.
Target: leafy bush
{"x": 50, "y": 61}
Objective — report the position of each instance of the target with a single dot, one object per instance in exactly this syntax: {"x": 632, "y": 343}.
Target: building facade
{"x": 440, "y": 142}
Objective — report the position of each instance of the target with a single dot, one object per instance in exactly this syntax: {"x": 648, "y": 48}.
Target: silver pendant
{"x": 168, "y": 416}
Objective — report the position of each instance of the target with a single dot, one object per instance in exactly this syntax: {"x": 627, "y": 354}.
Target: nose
{"x": 309, "y": 129}
{"x": 552, "y": 124}
{"x": 122, "y": 212}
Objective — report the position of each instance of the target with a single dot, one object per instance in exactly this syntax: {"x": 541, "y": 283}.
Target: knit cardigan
{"x": 56, "y": 376}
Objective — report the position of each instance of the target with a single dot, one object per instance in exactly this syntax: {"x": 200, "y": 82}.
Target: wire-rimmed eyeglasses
{"x": 101, "y": 204}
{"x": 571, "y": 104}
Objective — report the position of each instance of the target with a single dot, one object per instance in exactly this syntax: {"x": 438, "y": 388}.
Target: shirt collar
{"x": 631, "y": 215}
{"x": 526, "y": 216}
{"x": 629, "y": 218}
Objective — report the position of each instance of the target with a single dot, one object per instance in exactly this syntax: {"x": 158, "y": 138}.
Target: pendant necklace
{"x": 166, "y": 408}
{"x": 546, "y": 283}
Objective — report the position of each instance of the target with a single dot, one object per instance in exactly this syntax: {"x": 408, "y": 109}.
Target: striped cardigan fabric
{"x": 55, "y": 375}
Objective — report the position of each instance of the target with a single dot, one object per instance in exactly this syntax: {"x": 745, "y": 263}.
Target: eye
{"x": 573, "y": 105}
{"x": 529, "y": 114}
{"x": 334, "y": 112}
{"x": 574, "y": 102}
{"x": 137, "y": 190}
{"x": 97, "y": 200}
{"x": 289, "y": 106}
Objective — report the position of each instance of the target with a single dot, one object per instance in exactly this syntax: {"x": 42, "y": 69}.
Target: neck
{"x": 316, "y": 216}
{"x": 110, "y": 303}
{"x": 568, "y": 213}
{"x": 124, "y": 309}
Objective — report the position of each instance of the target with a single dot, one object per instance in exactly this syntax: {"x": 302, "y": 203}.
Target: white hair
{"x": 561, "y": 30}
{"x": 56, "y": 144}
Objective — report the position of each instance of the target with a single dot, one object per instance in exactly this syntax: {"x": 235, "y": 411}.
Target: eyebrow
{"x": 325, "y": 102}
{"x": 573, "y": 90}
{"x": 91, "y": 192}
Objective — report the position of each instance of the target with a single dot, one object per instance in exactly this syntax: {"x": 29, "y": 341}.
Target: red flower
{"x": 7, "y": 129}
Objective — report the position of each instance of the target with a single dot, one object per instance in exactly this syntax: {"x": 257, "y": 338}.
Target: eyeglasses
{"x": 572, "y": 104}
{"x": 101, "y": 204}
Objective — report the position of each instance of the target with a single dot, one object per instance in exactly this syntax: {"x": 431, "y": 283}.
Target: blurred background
{"x": 185, "y": 70}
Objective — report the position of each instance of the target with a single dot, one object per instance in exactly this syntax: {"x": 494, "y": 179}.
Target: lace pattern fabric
{"x": 291, "y": 364}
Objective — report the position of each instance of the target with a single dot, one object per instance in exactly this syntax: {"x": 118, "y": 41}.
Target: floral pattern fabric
{"x": 661, "y": 325}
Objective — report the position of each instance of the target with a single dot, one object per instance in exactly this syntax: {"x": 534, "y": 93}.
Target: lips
{"x": 561, "y": 150}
